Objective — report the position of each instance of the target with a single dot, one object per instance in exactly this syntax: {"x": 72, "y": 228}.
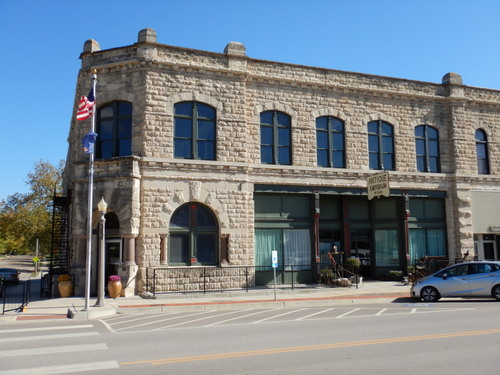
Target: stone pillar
{"x": 129, "y": 251}
{"x": 163, "y": 249}
{"x": 128, "y": 271}
{"x": 147, "y": 35}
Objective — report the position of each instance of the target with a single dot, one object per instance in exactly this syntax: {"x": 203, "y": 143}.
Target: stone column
{"x": 163, "y": 249}
{"x": 128, "y": 271}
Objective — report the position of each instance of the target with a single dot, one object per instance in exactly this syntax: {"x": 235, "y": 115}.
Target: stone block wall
{"x": 147, "y": 187}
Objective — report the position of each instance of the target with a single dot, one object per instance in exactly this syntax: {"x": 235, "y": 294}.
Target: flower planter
{"x": 114, "y": 288}
{"x": 65, "y": 288}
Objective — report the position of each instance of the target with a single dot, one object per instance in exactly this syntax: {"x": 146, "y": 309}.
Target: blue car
{"x": 9, "y": 276}
{"x": 470, "y": 279}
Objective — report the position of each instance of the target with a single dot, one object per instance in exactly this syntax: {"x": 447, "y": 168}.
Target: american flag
{"x": 85, "y": 106}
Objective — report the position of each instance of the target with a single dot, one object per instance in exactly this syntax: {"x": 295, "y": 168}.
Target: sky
{"x": 41, "y": 42}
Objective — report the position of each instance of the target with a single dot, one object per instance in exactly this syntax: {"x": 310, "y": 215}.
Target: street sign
{"x": 274, "y": 258}
{"x": 378, "y": 184}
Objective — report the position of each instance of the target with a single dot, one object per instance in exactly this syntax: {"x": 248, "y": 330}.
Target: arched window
{"x": 275, "y": 138}
{"x": 483, "y": 163}
{"x": 330, "y": 142}
{"x": 194, "y": 131}
{"x": 381, "y": 145}
{"x": 114, "y": 130}
{"x": 427, "y": 149}
{"x": 193, "y": 236}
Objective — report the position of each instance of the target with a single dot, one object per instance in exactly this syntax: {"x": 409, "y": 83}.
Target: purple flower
{"x": 114, "y": 278}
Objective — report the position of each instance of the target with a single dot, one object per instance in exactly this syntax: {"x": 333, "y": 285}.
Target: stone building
{"x": 212, "y": 160}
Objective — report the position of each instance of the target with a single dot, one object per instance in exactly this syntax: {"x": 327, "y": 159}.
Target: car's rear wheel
{"x": 430, "y": 294}
{"x": 496, "y": 292}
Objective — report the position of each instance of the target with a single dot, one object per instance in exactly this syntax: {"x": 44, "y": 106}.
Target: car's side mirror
{"x": 444, "y": 276}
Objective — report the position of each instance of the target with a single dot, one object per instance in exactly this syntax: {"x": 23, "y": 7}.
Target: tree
{"x": 26, "y": 217}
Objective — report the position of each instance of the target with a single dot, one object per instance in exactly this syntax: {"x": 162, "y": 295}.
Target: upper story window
{"x": 427, "y": 149}
{"x": 483, "y": 163}
{"x": 381, "y": 145}
{"x": 194, "y": 131}
{"x": 275, "y": 138}
{"x": 330, "y": 142}
{"x": 114, "y": 129}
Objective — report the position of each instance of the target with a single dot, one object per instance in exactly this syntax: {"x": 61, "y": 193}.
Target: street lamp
{"x": 102, "y": 206}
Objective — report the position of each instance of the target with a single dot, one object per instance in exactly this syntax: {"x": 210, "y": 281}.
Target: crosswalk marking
{"x": 51, "y": 349}
{"x": 34, "y": 329}
{"x": 63, "y": 369}
{"x": 49, "y": 337}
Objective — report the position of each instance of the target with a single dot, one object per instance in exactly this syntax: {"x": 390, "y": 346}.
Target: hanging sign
{"x": 378, "y": 184}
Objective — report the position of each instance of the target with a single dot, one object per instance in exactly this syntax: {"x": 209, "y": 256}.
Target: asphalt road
{"x": 409, "y": 338}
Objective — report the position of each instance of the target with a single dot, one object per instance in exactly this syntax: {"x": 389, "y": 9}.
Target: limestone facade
{"x": 145, "y": 188}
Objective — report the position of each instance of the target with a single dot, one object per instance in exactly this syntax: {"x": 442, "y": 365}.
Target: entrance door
{"x": 113, "y": 256}
{"x": 360, "y": 248}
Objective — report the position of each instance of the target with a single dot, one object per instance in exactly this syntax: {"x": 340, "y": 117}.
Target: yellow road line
{"x": 292, "y": 349}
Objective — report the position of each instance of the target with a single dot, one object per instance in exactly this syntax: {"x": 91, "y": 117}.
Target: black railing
{"x": 15, "y": 297}
{"x": 161, "y": 280}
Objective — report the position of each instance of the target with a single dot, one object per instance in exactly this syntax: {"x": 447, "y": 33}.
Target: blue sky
{"x": 41, "y": 42}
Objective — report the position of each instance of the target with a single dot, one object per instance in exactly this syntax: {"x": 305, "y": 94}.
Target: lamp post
{"x": 102, "y": 206}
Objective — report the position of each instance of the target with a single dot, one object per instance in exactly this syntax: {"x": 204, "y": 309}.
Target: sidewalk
{"x": 73, "y": 307}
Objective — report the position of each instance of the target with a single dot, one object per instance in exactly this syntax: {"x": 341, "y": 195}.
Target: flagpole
{"x": 90, "y": 206}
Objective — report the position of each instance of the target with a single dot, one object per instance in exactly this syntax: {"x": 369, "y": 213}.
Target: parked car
{"x": 470, "y": 279}
{"x": 9, "y": 275}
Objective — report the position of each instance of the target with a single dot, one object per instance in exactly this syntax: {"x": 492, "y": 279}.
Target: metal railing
{"x": 160, "y": 280}
{"x": 15, "y": 297}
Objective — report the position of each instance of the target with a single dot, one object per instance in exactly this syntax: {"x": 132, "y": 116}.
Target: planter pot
{"x": 65, "y": 288}
{"x": 114, "y": 288}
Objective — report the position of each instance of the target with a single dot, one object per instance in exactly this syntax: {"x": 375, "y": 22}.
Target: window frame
{"x": 332, "y": 149}
{"x": 191, "y": 233}
{"x": 381, "y": 153}
{"x": 483, "y": 163}
{"x": 426, "y": 156}
{"x": 116, "y": 140}
{"x": 194, "y": 139}
{"x": 275, "y": 144}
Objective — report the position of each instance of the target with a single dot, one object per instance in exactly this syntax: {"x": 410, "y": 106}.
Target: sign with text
{"x": 378, "y": 184}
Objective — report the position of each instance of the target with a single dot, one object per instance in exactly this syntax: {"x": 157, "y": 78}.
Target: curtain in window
{"x": 435, "y": 242}
{"x": 267, "y": 240}
{"x": 386, "y": 245}
{"x": 297, "y": 248}
{"x": 417, "y": 244}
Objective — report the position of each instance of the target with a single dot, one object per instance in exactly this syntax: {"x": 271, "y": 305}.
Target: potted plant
{"x": 65, "y": 285}
{"x": 114, "y": 286}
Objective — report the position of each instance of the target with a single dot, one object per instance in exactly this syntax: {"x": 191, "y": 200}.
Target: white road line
{"x": 381, "y": 311}
{"x": 347, "y": 313}
{"x": 413, "y": 311}
{"x": 136, "y": 318}
{"x": 161, "y": 320}
{"x": 238, "y": 317}
{"x": 44, "y": 328}
{"x": 194, "y": 320}
{"x": 49, "y": 337}
{"x": 277, "y": 316}
{"x": 52, "y": 349}
{"x": 316, "y": 313}
{"x": 63, "y": 369}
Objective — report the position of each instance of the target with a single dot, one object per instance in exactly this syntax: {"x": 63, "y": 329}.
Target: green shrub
{"x": 395, "y": 275}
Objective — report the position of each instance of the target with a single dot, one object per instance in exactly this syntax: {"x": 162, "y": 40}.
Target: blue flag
{"x": 88, "y": 142}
